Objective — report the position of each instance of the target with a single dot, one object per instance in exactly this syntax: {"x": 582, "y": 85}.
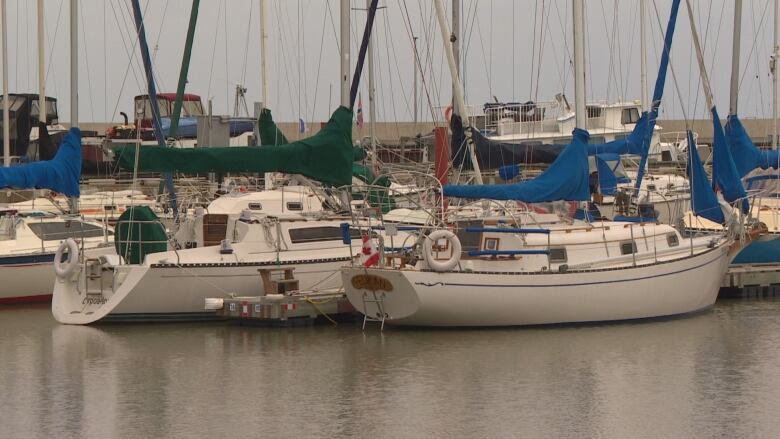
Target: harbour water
{"x": 712, "y": 374}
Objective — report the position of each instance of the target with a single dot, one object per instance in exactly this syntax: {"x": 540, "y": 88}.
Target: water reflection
{"x": 712, "y": 374}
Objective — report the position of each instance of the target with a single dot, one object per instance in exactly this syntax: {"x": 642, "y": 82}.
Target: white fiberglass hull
{"x": 26, "y": 278}
{"x": 425, "y": 298}
{"x": 171, "y": 292}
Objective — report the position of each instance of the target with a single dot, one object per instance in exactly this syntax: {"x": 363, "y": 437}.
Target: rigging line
{"x": 404, "y": 93}
{"x": 545, "y": 17}
{"x": 51, "y": 45}
{"x": 227, "y": 64}
{"x": 298, "y": 57}
{"x": 417, "y": 60}
{"x": 549, "y": 37}
{"x": 131, "y": 56}
{"x": 285, "y": 51}
{"x": 126, "y": 33}
{"x": 333, "y": 26}
{"x": 756, "y": 34}
{"x": 533, "y": 53}
{"x": 105, "y": 67}
{"x": 631, "y": 45}
{"x": 214, "y": 51}
{"x": 671, "y": 65}
{"x": 484, "y": 59}
{"x": 157, "y": 45}
{"x": 246, "y": 44}
{"x": 319, "y": 67}
{"x": 610, "y": 46}
{"x": 466, "y": 53}
{"x": 514, "y": 38}
{"x": 86, "y": 61}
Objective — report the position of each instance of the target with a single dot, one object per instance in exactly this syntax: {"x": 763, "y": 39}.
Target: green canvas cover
{"x": 376, "y": 197}
{"x": 270, "y": 134}
{"x": 138, "y": 232}
{"x": 327, "y": 156}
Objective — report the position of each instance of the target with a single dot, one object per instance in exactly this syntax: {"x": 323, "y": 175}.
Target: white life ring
{"x": 62, "y": 268}
{"x": 455, "y": 248}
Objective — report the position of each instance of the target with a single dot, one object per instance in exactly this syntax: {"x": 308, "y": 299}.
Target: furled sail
{"x": 60, "y": 174}
{"x": 327, "y": 156}
{"x": 704, "y": 202}
{"x": 565, "y": 179}
{"x": 724, "y": 172}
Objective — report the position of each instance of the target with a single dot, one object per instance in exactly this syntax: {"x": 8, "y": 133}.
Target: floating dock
{"x": 281, "y": 303}
{"x": 751, "y": 281}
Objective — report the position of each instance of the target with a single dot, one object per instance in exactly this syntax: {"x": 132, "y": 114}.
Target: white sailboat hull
{"x": 169, "y": 292}
{"x": 425, "y": 298}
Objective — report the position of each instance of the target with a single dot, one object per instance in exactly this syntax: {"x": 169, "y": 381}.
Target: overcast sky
{"x": 513, "y": 50}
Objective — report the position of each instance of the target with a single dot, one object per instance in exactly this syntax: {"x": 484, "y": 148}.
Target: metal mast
{"x": 371, "y": 109}
{"x": 41, "y": 65}
{"x": 773, "y": 68}
{"x": 345, "y": 46}
{"x": 735, "y": 57}
{"x": 263, "y": 48}
{"x": 643, "y": 53}
{"x": 74, "y": 63}
{"x": 185, "y": 68}
{"x": 457, "y": 87}
{"x": 581, "y": 118}
{"x": 6, "y": 105}
{"x": 455, "y": 40}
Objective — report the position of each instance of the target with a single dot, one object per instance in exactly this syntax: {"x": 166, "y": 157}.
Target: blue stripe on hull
{"x": 760, "y": 252}
{"x": 40, "y": 258}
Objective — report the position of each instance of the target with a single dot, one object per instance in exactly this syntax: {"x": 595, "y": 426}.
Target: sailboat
{"x": 531, "y": 268}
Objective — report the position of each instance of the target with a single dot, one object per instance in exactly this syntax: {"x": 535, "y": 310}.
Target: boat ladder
{"x": 380, "y": 315}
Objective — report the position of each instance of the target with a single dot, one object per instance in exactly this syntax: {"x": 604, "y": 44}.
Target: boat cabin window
{"x": 317, "y": 234}
{"x": 629, "y": 115}
{"x": 651, "y": 187}
{"x": 672, "y": 240}
{"x": 255, "y": 206}
{"x": 192, "y": 108}
{"x": 294, "y": 205}
{"x": 60, "y": 230}
{"x": 627, "y": 247}
{"x": 558, "y": 254}
{"x": 594, "y": 112}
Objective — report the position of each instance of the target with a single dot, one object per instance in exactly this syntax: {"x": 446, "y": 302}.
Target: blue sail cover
{"x": 744, "y": 152}
{"x": 724, "y": 173}
{"x": 565, "y": 179}
{"x": 637, "y": 143}
{"x": 704, "y": 202}
{"x": 607, "y": 166}
{"x": 60, "y": 174}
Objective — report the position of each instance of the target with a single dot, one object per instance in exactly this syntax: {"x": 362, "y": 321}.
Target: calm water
{"x": 715, "y": 374}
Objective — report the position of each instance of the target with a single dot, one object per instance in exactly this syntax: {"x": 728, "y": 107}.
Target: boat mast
{"x": 705, "y": 80}
{"x": 643, "y": 53}
{"x": 73, "y": 202}
{"x": 455, "y": 39}
{"x": 773, "y": 68}
{"x": 371, "y": 108}
{"x": 6, "y": 104}
{"x": 74, "y": 63}
{"x": 185, "y": 68}
{"x": 581, "y": 119}
{"x": 263, "y": 48}
{"x": 152, "y": 92}
{"x": 345, "y": 46}
{"x": 735, "y": 57}
{"x": 41, "y": 65}
{"x": 457, "y": 86}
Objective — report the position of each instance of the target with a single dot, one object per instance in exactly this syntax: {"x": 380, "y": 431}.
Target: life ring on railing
{"x": 62, "y": 268}
{"x": 455, "y": 249}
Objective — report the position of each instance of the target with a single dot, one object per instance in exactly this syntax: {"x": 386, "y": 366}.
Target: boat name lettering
{"x": 99, "y": 300}
{"x": 371, "y": 282}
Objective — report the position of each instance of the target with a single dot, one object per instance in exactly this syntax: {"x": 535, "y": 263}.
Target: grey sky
{"x": 515, "y": 51}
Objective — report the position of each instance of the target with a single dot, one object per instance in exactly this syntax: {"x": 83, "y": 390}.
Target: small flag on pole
{"x": 301, "y": 126}
{"x": 359, "y": 114}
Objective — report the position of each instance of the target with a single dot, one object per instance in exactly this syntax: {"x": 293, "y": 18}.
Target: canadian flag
{"x": 370, "y": 252}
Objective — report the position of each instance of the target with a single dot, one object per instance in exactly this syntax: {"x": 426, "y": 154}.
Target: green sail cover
{"x": 327, "y": 156}
{"x": 138, "y": 232}
{"x": 270, "y": 134}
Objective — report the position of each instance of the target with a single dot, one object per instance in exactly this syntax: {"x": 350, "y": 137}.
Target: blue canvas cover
{"x": 744, "y": 152}
{"x": 704, "y": 202}
{"x": 724, "y": 173}
{"x": 188, "y": 127}
{"x": 565, "y": 179}
{"x": 60, "y": 174}
{"x": 607, "y": 165}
